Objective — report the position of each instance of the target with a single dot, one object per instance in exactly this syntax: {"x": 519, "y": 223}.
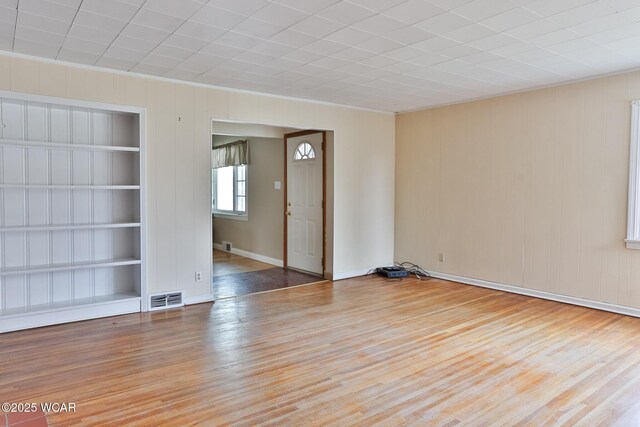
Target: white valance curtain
{"x": 231, "y": 154}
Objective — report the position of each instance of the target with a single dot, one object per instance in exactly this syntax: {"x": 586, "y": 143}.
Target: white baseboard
{"x": 350, "y": 274}
{"x": 614, "y": 308}
{"x": 55, "y": 316}
{"x": 251, "y": 255}
{"x": 199, "y": 299}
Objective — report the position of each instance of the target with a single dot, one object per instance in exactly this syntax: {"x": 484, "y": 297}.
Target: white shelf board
{"x": 11, "y": 271}
{"x": 62, "y": 146}
{"x": 15, "y": 319}
{"x": 70, "y": 227}
{"x": 69, "y": 187}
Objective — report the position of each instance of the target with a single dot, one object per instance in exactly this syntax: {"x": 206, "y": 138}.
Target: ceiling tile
{"x": 255, "y": 28}
{"x": 379, "y": 45}
{"x": 325, "y": 47}
{"x": 30, "y": 47}
{"x": 279, "y": 15}
{"x": 551, "y": 7}
{"x": 160, "y": 61}
{"x": 388, "y": 54}
{"x": 184, "y": 42}
{"x": 443, "y": 23}
{"x": 533, "y": 29}
{"x": 145, "y": 33}
{"x": 492, "y": 42}
{"x": 353, "y": 54}
{"x": 317, "y": 26}
{"x": 217, "y": 17}
{"x": 172, "y": 52}
{"x": 404, "y": 53}
{"x": 620, "y": 5}
{"x": 615, "y": 23}
{"x": 113, "y": 8}
{"x": 244, "y": 7}
{"x": 309, "y": 6}
{"x": 293, "y": 38}
{"x": 238, "y": 40}
{"x": 377, "y": 5}
{"x": 48, "y": 9}
{"x": 8, "y": 18}
{"x": 180, "y": 9}
{"x": 413, "y": 11}
{"x": 349, "y": 36}
{"x": 482, "y": 9}
{"x": 134, "y": 43}
{"x": 346, "y": 13}
{"x": 469, "y": 33}
{"x": 510, "y": 19}
{"x": 199, "y": 31}
{"x": 271, "y": 48}
{"x": 554, "y": 37}
{"x": 379, "y": 24}
{"x": 42, "y": 23}
{"x": 71, "y": 55}
{"x": 37, "y": 36}
{"x": 408, "y": 35}
{"x": 199, "y": 63}
{"x": 632, "y": 15}
{"x": 69, "y": 3}
{"x": 435, "y": 43}
{"x": 90, "y": 19}
{"x": 92, "y": 34}
{"x": 159, "y": 21}
{"x": 581, "y": 14}
{"x": 84, "y": 46}
{"x": 118, "y": 52}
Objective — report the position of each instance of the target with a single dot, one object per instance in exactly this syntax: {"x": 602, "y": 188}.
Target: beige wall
{"x": 528, "y": 190}
{"x": 262, "y": 233}
{"x": 178, "y": 163}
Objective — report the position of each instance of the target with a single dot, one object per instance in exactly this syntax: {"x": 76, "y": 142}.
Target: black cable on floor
{"x": 411, "y": 268}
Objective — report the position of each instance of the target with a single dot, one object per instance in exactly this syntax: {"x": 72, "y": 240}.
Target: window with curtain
{"x": 229, "y": 178}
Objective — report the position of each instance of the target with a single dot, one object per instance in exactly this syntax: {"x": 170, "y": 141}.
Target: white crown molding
{"x": 529, "y": 89}
{"x": 187, "y": 82}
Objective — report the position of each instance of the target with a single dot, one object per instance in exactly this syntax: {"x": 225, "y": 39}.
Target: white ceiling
{"x": 392, "y": 55}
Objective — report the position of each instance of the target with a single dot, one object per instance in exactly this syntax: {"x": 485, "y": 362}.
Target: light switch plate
{"x": 277, "y": 185}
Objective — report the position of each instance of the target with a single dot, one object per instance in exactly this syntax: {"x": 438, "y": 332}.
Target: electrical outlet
{"x": 441, "y": 256}
{"x": 198, "y": 276}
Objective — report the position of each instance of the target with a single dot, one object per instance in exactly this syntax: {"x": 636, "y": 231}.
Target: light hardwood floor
{"x": 227, "y": 263}
{"x": 362, "y": 351}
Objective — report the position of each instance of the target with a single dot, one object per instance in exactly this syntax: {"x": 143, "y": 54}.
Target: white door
{"x": 304, "y": 203}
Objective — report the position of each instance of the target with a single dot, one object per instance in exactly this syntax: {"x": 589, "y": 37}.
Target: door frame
{"x": 287, "y": 136}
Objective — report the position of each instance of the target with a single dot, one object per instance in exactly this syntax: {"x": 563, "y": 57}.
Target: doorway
{"x": 305, "y": 193}
{"x": 249, "y": 252}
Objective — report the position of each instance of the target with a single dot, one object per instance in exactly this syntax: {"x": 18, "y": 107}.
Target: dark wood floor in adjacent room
{"x": 235, "y": 276}
{"x": 361, "y": 351}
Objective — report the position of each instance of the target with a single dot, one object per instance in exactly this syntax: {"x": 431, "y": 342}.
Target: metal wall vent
{"x": 164, "y": 301}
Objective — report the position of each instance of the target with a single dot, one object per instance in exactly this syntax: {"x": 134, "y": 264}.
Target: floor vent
{"x": 226, "y": 246}
{"x": 165, "y": 301}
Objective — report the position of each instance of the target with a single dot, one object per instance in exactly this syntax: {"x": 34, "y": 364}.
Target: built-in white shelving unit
{"x": 72, "y": 225}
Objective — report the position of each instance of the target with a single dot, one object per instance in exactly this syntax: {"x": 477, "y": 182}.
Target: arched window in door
{"x": 304, "y": 151}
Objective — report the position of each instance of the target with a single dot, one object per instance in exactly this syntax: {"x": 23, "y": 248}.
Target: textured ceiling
{"x": 392, "y": 55}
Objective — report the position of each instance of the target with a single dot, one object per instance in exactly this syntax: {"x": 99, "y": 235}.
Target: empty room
{"x": 319, "y": 212}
